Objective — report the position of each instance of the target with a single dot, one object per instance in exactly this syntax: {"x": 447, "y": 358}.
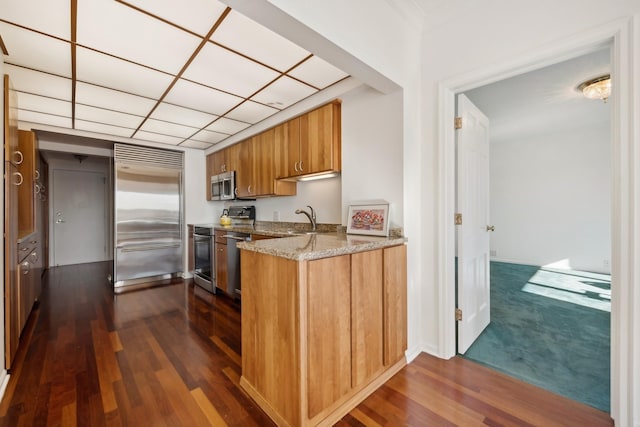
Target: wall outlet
{"x": 606, "y": 263}
{"x": 276, "y": 215}
{"x": 493, "y": 253}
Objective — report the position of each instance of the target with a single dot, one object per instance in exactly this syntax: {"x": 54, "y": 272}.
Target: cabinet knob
{"x": 18, "y": 153}
{"x": 19, "y": 175}
{"x": 301, "y": 168}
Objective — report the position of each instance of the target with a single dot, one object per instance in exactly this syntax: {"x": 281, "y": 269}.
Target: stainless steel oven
{"x": 204, "y": 258}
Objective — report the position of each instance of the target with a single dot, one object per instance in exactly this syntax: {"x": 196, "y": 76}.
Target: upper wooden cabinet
{"x": 268, "y": 164}
{"x": 317, "y": 147}
{"x": 220, "y": 162}
{"x": 28, "y": 146}
{"x": 255, "y": 174}
{"x": 209, "y": 174}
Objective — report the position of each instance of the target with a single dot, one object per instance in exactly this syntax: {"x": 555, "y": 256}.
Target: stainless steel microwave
{"x": 223, "y": 186}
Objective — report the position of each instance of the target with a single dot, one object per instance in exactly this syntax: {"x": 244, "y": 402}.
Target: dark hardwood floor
{"x": 170, "y": 355}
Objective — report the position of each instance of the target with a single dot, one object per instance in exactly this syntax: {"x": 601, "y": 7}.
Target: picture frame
{"x": 370, "y": 219}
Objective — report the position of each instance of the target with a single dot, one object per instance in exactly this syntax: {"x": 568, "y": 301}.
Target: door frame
{"x": 625, "y": 256}
{"x": 51, "y": 213}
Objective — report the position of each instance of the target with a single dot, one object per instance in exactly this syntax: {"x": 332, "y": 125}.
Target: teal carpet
{"x": 550, "y": 328}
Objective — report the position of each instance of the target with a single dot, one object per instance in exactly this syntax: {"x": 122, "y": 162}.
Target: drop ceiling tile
{"x": 104, "y": 70}
{"x": 318, "y": 72}
{"x": 218, "y": 68}
{"x": 283, "y": 92}
{"x": 51, "y": 16}
{"x": 195, "y": 144}
{"x": 194, "y": 15}
{"x": 30, "y": 81}
{"x": 198, "y": 97}
{"x": 228, "y": 126}
{"x": 208, "y": 136}
{"x": 98, "y": 96}
{"x": 109, "y": 117}
{"x": 166, "y": 128}
{"x": 186, "y": 116}
{"x": 251, "y": 112}
{"x": 103, "y": 128}
{"x": 36, "y": 51}
{"x": 156, "y": 137}
{"x": 117, "y": 29}
{"x": 43, "y": 104}
{"x": 243, "y": 35}
{"x": 44, "y": 119}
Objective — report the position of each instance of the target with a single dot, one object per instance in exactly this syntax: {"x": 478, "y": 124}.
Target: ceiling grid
{"x": 191, "y": 75}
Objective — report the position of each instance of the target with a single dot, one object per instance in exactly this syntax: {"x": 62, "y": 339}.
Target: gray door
{"x": 79, "y": 217}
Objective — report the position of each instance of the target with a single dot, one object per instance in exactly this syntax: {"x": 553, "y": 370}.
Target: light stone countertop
{"x": 321, "y": 245}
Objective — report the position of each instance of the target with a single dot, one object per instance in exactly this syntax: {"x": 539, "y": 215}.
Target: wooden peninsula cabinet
{"x": 320, "y": 335}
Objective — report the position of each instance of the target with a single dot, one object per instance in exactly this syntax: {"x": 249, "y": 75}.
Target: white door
{"x": 472, "y": 144}
{"x": 79, "y": 217}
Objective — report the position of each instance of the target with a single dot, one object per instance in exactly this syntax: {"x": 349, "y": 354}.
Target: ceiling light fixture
{"x": 598, "y": 88}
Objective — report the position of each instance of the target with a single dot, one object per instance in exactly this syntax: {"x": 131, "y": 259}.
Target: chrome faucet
{"x": 311, "y": 216}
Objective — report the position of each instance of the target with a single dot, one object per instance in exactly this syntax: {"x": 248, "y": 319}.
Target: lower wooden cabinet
{"x": 220, "y": 247}
{"x": 29, "y": 280}
{"x": 318, "y": 336}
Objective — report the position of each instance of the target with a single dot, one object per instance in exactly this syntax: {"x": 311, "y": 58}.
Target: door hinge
{"x": 458, "y": 219}
{"x": 457, "y": 123}
{"x": 458, "y": 314}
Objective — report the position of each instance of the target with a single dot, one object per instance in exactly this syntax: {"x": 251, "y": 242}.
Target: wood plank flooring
{"x": 170, "y": 356}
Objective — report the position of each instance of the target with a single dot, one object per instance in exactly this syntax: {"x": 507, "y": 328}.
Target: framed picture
{"x": 371, "y": 219}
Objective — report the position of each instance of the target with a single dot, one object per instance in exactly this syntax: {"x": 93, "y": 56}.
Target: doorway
{"x": 550, "y": 205}
{"x": 80, "y": 209}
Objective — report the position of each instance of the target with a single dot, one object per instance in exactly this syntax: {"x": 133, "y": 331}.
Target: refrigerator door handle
{"x": 147, "y": 248}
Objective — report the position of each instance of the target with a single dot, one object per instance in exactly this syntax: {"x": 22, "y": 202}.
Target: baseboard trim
{"x": 4, "y": 383}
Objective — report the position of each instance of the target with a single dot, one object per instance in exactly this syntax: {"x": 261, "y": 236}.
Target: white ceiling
{"x": 544, "y": 100}
{"x": 189, "y": 75}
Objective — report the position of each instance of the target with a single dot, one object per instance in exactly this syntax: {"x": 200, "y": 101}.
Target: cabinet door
{"x": 232, "y": 157}
{"x": 289, "y": 138}
{"x": 11, "y": 181}
{"x": 244, "y": 171}
{"x": 221, "y": 266}
{"x": 219, "y": 161}
{"x": 27, "y": 145}
{"x": 366, "y": 316}
{"x": 209, "y": 173}
{"x": 395, "y": 303}
{"x": 25, "y": 293}
{"x": 262, "y": 163}
{"x": 329, "y": 331}
{"x": 320, "y": 140}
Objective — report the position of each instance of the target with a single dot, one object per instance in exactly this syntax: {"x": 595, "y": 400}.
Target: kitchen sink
{"x": 300, "y": 232}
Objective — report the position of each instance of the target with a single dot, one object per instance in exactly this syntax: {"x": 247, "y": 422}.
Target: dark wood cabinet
{"x": 313, "y": 142}
{"x": 28, "y": 146}
{"x": 268, "y": 163}
{"x": 220, "y": 246}
{"x": 12, "y": 180}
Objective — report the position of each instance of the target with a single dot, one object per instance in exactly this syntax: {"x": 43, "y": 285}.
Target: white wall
{"x": 323, "y": 195}
{"x": 551, "y": 199}
{"x": 372, "y": 154}
{"x": 484, "y": 39}
{"x": 478, "y": 37}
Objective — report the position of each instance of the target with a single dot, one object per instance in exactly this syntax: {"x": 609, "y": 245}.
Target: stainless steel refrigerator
{"x": 148, "y": 216}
